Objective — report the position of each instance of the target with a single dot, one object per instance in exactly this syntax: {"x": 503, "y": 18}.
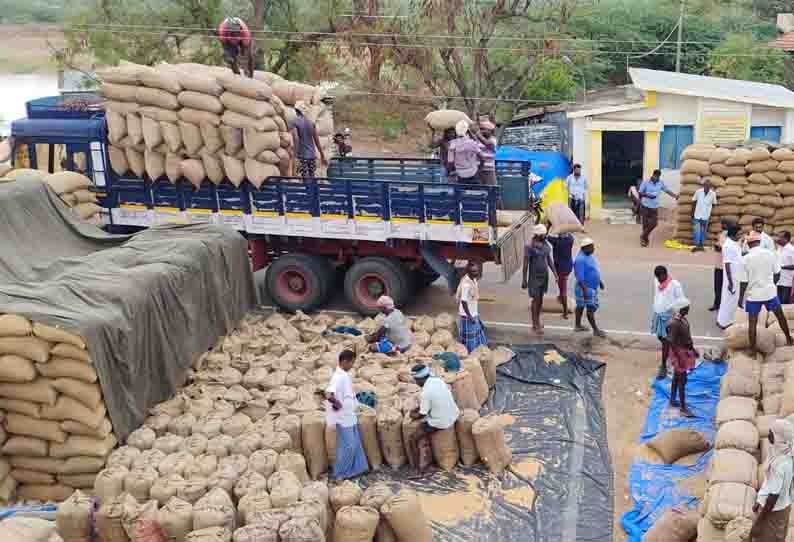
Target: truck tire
{"x": 299, "y": 282}
{"x": 370, "y": 278}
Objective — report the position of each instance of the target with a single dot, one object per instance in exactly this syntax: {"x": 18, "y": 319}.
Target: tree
{"x": 741, "y": 57}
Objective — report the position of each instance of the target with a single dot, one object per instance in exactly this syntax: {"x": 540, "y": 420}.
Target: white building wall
{"x": 678, "y": 110}
{"x": 767, "y": 116}
{"x": 581, "y": 145}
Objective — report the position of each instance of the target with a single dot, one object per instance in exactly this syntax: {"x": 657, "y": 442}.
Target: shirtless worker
{"x": 237, "y": 45}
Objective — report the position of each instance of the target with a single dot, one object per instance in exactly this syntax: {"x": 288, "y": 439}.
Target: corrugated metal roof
{"x": 785, "y": 42}
{"x": 732, "y": 90}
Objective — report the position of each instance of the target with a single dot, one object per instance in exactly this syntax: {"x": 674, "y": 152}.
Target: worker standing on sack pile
{"x": 470, "y": 327}
{"x": 437, "y": 409}
{"x": 773, "y": 505}
{"x": 307, "y": 143}
{"x": 351, "y": 460}
{"x": 237, "y": 45}
{"x": 393, "y": 336}
{"x": 760, "y": 267}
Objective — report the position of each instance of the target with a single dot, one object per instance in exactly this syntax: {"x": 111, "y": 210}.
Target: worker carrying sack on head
{"x": 237, "y": 44}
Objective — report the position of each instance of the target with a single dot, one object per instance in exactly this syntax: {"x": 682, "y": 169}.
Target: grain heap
{"x": 57, "y": 433}
{"x": 200, "y": 122}
{"x": 750, "y": 182}
{"x": 754, "y": 394}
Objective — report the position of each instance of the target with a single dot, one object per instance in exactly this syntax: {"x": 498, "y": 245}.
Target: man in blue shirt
{"x": 650, "y": 193}
{"x": 588, "y": 282}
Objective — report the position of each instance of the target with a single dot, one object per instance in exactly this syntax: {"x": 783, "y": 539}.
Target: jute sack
{"x": 479, "y": 383}
{"x": 211, "y": 534}
{"x": 12, "y": 325}
{"x": 78, "y": 481}
{"x": 247, "y": 106}
{"x": 698, "y": 151}
{"x": 740, "y": 384}
{"x": 411, "y": 428}
{"x": 191, "y": 137}
{"x": 759, "y": 178}
{"x": 389, "y": 423}
{"x": 38, "y": 391}
{"x": 85, "y": 446}
{"x": 243, "y": 122}
{"x": 152, "y": 134}
{"x": 75, "y": 517}
{"x": 696, "y": 167}
{"x": 777, "y": 177}
{"x": 215, "y": 509}
{"x": 264, "y": 462}
{"x": 67, "y": 408}
{"x": 197, "y": 81}
{"x": 193, "y": 170}
{"x": 301, "y": 530}
{"x": 489, "y": 437}
{"x": 759, "y": 210}
{"x": 256, "y": 142}
{"x": 376, "y": 495}
{"x": 234, "y": 168}
{"x": 32, "y": 348}
{"x": 445, "y": 448}
{"x": 257, "y": 172}
{"x": 158, "y": 113}
{"x": 118, "y": 160}
{"x": 211, "y": 135}
{"x": 23, "y": 529}
{"x": 735, "y": 408}
{"x": 368, "y": 428}
{"x": 109, "y": 483}
{"x": 295, "y": 463}
{"x": 200, "y": 101}
{"x": 171, "y": 136}
{"x": 243, "y": 86}
{"x": 154, "y": 162}
{"x": 121, "y": 93}
{"x": 44, "y": 493}
{"x": 117, "y": 126}
{"x": 405, "y": 515}
{"x": 445, "y": 118}
{"x": 463, "y": 391}
{"x": 134, "y": 128}
{"x": 256, "y": 533}
{"x": 355, "y": 524}
{"x": 197, "y": 117}
{"x": 213, "y": 168}
{"x": 83, "y": 465}
{"x": 284, "y": 487}
{"x": 463, "y": 429}
{"x": 176, "y": 519}
{"x": 761, "y": 167}
{"x": 110, "y": 521}
{"x": 23, "y": 476}
{"x": 16, "y": 369}
{"x": 345, "y": 494}
{"x": 19, "y": 424}
{"x": 736, "y": 181}
{"x": 760, "y": 189}
{"x": 728, "y": 501}
{"x": 736, "y": 466}
{"x": 675, "y": 525}
{"x": 737, "y": 434}
{"x": 156, "y": 97}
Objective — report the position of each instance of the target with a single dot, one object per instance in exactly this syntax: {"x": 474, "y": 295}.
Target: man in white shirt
{"x": 576, "y": 183}
{"x": 785, "y": 256}
{"x": 394, "y": 334}
{"x": 437, "y": 409}
{"x": 773, "y": 504}
{"x": 340, "y": 412}
{"x": 666, "y": 292}
{"x": 760, "y": 266}
{"x": 766, "y": 241}
{"x": 705, "y": 198}
{"x": 732, "y": 275}
{"x": 471, "y": 332}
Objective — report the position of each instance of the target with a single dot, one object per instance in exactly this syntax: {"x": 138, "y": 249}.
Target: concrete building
{"x": 623, "y": 134}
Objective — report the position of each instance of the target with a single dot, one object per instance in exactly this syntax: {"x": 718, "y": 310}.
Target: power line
{"x": 543, "y": 38}
{"x": 339, "y": 39}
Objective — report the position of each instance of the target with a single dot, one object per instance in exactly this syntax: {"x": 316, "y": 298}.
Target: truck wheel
{"x": 299, "y": 282}
{"x": 370, "y": 278}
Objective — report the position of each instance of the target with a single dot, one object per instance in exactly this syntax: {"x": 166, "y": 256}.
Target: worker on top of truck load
{"x": 237, "y": 44}
{"x": 442, "y": 144}
{"x": 307, "y": 143}
{"x": 465, "y": 155}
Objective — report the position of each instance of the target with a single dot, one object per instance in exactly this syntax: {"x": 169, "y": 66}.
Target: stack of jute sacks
{"x": 73, "y": 188}
{"x": 750, "y": 183}
{"x": 242, "y": 449}
{"x": 199, "y": 122}
{"x": 58, "y": 432}
{"x": 752, "y": 396}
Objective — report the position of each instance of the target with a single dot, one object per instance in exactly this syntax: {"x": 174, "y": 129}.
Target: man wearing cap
{"x": 535, "y": 274}
{"x": 304, "y": 134}
{"x": 237, "y": 44}
{"x": 760, "y": 266}
{"x": 682, "y": 353}
{"x": 650, "y": 201}
{"x": 465, "y": 155}
{"x": 588, "y": 282}
{"x": 576, "y": 183}
{"x": 488, "y": 141}
{"x": 437, "y": 409}
{"x": 394, "y": 335}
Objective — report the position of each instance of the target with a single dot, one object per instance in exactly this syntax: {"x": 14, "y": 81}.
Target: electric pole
{"x": 680, "y": 35}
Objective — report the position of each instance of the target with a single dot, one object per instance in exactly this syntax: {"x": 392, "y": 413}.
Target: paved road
{"x": 628, "y": 275}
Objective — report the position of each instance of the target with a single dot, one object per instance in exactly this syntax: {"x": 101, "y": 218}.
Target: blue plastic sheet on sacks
{"x": 657, "y": 488}
{"x": 29, "y": 510}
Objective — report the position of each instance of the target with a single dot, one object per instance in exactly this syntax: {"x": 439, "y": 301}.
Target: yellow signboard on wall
{"x": 723, "y": 128}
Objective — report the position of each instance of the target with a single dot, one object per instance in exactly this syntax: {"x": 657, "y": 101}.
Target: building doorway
{"x": 622, "y": 162}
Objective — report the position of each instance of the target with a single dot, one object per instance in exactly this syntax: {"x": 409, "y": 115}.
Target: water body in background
{"x": 18, "y": 89}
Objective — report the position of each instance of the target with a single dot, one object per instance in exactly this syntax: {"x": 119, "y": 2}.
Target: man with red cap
{"x": 237, "y": 44}
{"x": 760, "y": 266}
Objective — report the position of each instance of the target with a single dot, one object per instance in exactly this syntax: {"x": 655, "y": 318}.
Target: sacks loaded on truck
{"x": 97, "y": 328}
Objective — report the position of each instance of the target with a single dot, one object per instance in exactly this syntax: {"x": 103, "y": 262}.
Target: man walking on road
{"x": 650, "y": 195}
{"x": 732, "y": 274}
{"x": 786, "y": 259}
{"x": 576, "y": 183}
{"x": 535, "y": 274}
{"x": 704, "y": 199}
{"x": 588, "y": 282}
{"x": 760, "y": 267}
{"x": 562, "y": 254}
{"x": 470, "y": 328}
{"x": 304, "y": 134}
{"x": 666, "y": 292}
{"x": 773, "y": 505}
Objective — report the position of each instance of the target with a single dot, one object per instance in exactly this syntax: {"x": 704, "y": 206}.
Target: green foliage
{"x": 730, "y": 60}
{"x": 768, "y": 9}
{"x": 552, "y": 79}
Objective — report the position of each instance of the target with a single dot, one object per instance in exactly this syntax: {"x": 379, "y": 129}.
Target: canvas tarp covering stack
{"x": 145, "y": 304}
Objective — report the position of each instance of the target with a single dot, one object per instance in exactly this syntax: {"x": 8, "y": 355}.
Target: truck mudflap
{"x": 510, "y": 246}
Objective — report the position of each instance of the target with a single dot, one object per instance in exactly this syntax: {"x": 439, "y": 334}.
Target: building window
{"x": 675, "y": 138}
{"x": 766, "y": 133}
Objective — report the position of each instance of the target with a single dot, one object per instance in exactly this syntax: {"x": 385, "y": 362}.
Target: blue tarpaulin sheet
{"x": 657, "y": 488}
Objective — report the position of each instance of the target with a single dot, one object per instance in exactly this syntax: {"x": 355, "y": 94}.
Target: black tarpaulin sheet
{"x": 560, "y": 486}
{"x": 145, "y": 304}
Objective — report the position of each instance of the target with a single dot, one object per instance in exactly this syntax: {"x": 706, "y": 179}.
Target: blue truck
{"x": 373, "y": 227}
